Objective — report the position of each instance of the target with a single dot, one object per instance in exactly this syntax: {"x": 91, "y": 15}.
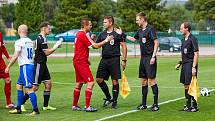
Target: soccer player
{"x": 81, "y": 65}
{"x": 110, "y": 62}
{"x": 5, "y": 76}
{"x": 41, "y": 69}
{"x": 146, "y": 35}
{"x": 190, "y": 54}
{"x": 24, "y": 54}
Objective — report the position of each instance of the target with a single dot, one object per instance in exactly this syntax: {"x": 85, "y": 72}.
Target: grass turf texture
{"x": 63, "y": 78}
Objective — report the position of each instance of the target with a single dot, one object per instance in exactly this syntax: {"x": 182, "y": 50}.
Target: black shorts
{"x": 146, "y": 70}
{"x": 107, "y": 67}
{"x": 186, "y": 73}
{"x": 41, "y": 73}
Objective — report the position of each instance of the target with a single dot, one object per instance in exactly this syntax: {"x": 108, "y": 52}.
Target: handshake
{"x": 109, "y": 38}
{"x": 57, "y": 44}
{"x": 178, "y": 65}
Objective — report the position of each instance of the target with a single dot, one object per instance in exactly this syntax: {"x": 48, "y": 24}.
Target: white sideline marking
{"x": 132, "y": 111}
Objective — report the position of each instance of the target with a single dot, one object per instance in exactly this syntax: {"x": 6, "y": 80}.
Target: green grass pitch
{"x": 63, "y": 78}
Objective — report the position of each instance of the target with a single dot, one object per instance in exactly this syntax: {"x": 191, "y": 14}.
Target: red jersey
{"x": 82, "y": 44}
{"x": 2, "y": 48}
{"x": 2, "y": 63}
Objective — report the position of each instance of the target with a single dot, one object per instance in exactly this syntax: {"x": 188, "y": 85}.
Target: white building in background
{"x": 4, "y": 2}
{"x": 12, "y": 1}
{"x": 174, "y": 2}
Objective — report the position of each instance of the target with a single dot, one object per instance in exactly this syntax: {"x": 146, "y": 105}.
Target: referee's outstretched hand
{"x": 118, "y": 30}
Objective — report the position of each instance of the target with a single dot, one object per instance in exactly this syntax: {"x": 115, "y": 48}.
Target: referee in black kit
{"x": 110, "y": 62}
{"x": 190, "y": 54}
{"x": 148, "y": 63}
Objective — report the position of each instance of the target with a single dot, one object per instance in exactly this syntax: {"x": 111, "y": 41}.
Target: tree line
{"x": 66, "y": 14}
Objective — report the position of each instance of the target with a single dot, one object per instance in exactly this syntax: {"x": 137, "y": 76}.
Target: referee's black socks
{"x": 188, "y": 99}
{"x": 144, "y": 94}
{"x": 155, "y": 92}
{"x": 194, "y": 102}
{"x": 105, "y": 89}
{"x": 115, "y": 92}
{"x": 46, "y": 95}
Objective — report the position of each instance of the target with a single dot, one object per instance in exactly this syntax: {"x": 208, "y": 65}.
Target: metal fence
{"x": 206, "y": 38}
{"x": 203, "y": 37}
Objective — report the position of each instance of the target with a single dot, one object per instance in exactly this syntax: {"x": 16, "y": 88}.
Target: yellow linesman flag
{"x": 194, "y": 88}
{"x": 125, "y": 89}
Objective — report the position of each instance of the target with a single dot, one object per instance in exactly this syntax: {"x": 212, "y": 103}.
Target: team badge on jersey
{"x": 112, "y": 42}
{"x": 185, "y": 50}
{"x": 143, "y": 40}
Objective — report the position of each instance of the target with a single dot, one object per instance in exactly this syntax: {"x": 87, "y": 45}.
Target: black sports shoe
{"x": 194, "y": 109}
{"x": 186, "y": 109}
{"x": 154, "y": 107}
{"x": 77, "y": 108}
{"x": 107, "y": 102}
{"x": 90, "y": 109}
{"x": 141, "y": 107}
{"x": 114, "y": 105}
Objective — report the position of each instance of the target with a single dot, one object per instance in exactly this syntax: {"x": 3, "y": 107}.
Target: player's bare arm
{"x": 156, "y": 44}
{"x": 124, "y": 54}
{"x": 195, "y": 61}
{"x": 51, "y": 50}
{"x": 12, "y": 61}
{"x": 100, "y": 44}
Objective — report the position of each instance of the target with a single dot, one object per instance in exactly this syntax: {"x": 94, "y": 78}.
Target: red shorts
{"x": 82, "y": 72}
{"x": 2, "y": 70}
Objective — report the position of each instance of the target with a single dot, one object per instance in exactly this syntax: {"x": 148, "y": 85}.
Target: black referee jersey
{"x": 112, "y": 48}
{"x": 146, "y": 39}
{"x": 188, "y": 48}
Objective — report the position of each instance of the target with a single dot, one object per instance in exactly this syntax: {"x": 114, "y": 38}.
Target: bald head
{"x": 22, "y": 30}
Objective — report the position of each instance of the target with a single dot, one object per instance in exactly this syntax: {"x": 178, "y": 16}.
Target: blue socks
{"x": 33, "y": 99}
{"x": 20, "y": 95}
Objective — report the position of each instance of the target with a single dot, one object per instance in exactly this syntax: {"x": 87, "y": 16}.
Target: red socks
{"x": 76, "y": 95}
{"x": 7, "y": 91}
{"x": 88, "y": 94}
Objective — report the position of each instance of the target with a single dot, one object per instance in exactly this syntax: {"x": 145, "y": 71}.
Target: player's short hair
{"x": 22, "y": 27}
{"x": 142, "y": 15}
{"x": 84, "y": 22}
{"x": 44, "y": 24}
{"x": 187, "y": 26}
{"x": 110, "y": 18}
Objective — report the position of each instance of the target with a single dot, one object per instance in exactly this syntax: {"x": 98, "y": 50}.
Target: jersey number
{"x": 30, "y": 53}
